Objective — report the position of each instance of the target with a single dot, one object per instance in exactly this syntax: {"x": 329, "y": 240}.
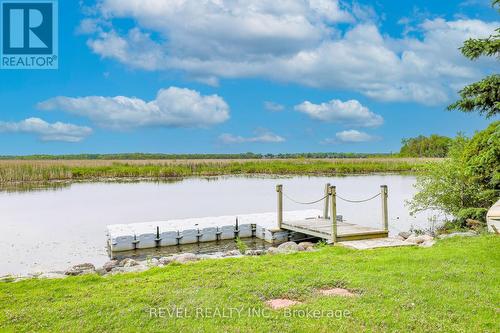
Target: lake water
{"x": 46, "y": 230}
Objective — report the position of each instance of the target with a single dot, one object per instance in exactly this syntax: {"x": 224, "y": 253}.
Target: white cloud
{"x": 292, "y": 41}
{"x": 173, "y": 107}
{"x": 261, "y": 136}
{"x": 354, "y": 136}
{"x": 57, "y": 131}
{"x": 273, "y": 107}
{"x": 349, "y": 113}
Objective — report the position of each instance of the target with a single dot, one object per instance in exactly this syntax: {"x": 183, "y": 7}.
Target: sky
{"x": 232, "y": 76}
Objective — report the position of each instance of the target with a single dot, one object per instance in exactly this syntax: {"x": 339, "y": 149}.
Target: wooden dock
{"x": 333, "y": 228}
{"x": 322, "y": 228}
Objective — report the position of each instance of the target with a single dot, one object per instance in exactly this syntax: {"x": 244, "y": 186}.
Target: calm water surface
{"x": 48, "y": 230}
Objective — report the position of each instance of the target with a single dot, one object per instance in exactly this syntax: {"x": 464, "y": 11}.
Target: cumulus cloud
{"x": 350, "y": 136}
{"x": 57, "y": 131}
{"x": 291, "y": 41}
{"x": 335, "y": 111}
{"x": 173, "y": 107}
{"x": 273, "y": 107}
{"x": 261, "y": 136}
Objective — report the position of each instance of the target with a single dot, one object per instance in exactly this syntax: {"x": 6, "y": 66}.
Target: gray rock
{"x": 128, "y": 262}
{"x": 185, "y": 257}
{"x": 404, "y": 234}
{"x": 427, "y": 243}
{"x": 232, "y": 253}
{"x": 165, "y": 260}
{"x": 81, "y": 269}
{"x": 458, "y": 234}
{"x": 254, "y": 252}
{"x": 419, "y": 239}
{"x": 153, "y": 262}
{"x": 129, "y": 269}
{"x": 304, "y": 246}
{"x": 101, "y": 271}
{"x": 52, "y": 275}
{"x": 272, "y": 250}
{"x": 110, "y": 265}
{"x": 288, "y": 247}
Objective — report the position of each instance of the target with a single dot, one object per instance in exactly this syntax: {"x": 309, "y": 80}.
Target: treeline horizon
{"x": 167, "y": 156}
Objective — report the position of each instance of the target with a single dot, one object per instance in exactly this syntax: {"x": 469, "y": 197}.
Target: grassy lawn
{"x": 49, "y": 170}
{"x": 451, "y": 287}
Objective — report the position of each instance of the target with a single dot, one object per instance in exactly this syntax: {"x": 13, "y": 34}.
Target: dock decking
{"x": 322, "y": 228}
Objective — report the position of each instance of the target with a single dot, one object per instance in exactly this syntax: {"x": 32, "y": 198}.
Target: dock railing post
{"x": 385, "y": 219}
{"x": 333, "y": 212}
{"x": 327, "y": 199}
{"x": 279, "y": 189}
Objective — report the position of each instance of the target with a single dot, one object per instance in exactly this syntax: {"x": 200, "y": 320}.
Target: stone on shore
{"x": 288, "y": 247}
{"x": 81, "y": 269}
{"x": 128, "y": 262}
{"x": 110, "y": 265}
{"x": 185, "y": 257}
{"x": 305, "y": 246}
{"x": 419, "y": 239}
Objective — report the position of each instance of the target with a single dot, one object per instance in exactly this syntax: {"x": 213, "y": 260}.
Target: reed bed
{"x": 58, "y": 170}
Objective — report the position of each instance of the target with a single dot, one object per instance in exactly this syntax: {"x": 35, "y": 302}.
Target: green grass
{"x": 451, "y": 287}
{"x": 26, "y": 171}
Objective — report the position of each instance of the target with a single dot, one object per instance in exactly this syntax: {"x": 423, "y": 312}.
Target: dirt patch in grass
{"x": 337, "y": 292}
{"x": 280, "y": 303}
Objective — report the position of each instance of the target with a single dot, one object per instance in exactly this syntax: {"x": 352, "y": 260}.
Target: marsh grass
{"x": 54, "y": 170}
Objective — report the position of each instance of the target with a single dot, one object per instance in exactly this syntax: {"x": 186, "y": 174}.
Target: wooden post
{"x": 327, "y": 193}
{"x": 279, "y": 189}
{"x": 333, "y": 212}
{"x": 385, "y": 219}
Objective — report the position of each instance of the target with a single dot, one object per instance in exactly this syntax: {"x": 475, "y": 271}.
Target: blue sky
{"x": 238, "y": 76}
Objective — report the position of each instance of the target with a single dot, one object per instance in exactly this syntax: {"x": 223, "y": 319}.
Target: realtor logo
{"x": 29, "y": 34}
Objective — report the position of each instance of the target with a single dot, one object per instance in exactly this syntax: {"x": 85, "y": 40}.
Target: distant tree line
{"x": 145, "y": 156}
{"x": 423, "y": 146}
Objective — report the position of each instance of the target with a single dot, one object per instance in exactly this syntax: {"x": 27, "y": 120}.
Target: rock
{"x": 165, "y": 260}
{"x": 153, "y": 262}
{"x": 458, "y": 234}
{"x": 128, "y": 262}
{"x": 404, "y": 234}
{"x": 428, "y": 243}
{"x": 232, "y": 253}
{"x": 419, "y": 239}
{"x": 288, "y": 247}
{"x": 272, "y": 250}
{"x": 101, "y": 271}
{"x": 129, "y": 269}
{"x": 52, "y": 275}
{"x": 110, "y": 265}
{"x": 304, "y": 246}
{"x": 254, "y": 252}
{"x": 185, "y": 257}
{"x": 81, "y": 269}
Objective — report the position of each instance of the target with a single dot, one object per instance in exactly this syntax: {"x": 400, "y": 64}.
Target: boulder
{"x": 110, "y": 265}
{"x": 81, "y": 269}
{"x": 52, "y": 275}
{"x": 458, "y": 234}
{"x": 232, "y": 253}
{"x": 129, "y": 269}
{"x": 404, "y": 234}
{"x": 288, "y": 247}
{"x": 128, "y": 262}
{"x": 427, "y": 243}
{"x": 272, "y": 250}
{"x": 304, "y": 246}
{"x": 185, "y": 257}
{"x": 153, "y": 262}
{"x": 419, "y": 239}
{"x": 254, "y": 252}
{"x": 165, "y": 260}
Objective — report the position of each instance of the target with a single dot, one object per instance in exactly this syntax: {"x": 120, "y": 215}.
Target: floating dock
{"x": 125, "y": 237}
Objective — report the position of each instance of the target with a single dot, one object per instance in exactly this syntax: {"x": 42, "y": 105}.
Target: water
{"x": 45, "y": 230}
